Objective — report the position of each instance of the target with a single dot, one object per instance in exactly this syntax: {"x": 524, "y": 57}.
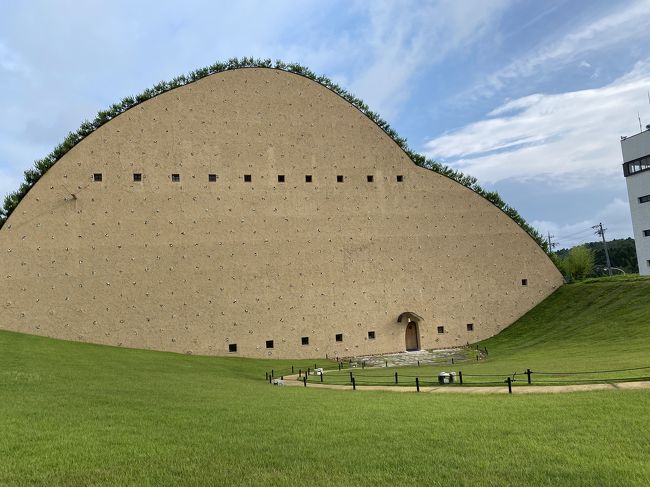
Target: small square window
{"x": 280, "y": 178}
{"x": 371, "y": 335}
{"x": 232, "y": 347}
{"x": 339, "y": 178}
{"x": 269, "y": 343}
{"x": 644, "y": 199}
{"x": 97, "y": 177}
{"x": 248, "y": 178}
{"x": 441, "y": 329}
{"x": 400, "y": 178}
{"x": 308, "y": 178}
{"x": 339, "y": 337}
{"x": 524, "y": 282}
{"x": 212, "y": 178}
{"x": 648, "y": 262}
{"x": 646, "y": 233}
{"x": 305, "y": 340}
{"x": 370, "y": 178}
{"x": 176, "y": 178}
{"x": 470, "y": 326}
{"x": 137, "y": 177}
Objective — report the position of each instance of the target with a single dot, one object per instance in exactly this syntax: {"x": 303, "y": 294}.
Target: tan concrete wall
{"x": 194, "y": 266}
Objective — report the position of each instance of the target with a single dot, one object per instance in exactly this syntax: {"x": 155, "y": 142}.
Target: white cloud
{"x": 570, "y": 139}
{"x": 621, "y": 26}
{"x": 615, "y": 217}
{"x": 11, "y": 62}
{"x": 404, "y": 37}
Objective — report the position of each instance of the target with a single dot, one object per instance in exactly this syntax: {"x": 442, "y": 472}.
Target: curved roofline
{"x": 41, "y": 166}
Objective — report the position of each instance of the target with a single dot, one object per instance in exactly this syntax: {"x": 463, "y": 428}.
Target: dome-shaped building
{"x": 255, "y": 212}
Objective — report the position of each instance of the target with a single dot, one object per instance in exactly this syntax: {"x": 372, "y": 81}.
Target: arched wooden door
{"x": 412, "y": 342}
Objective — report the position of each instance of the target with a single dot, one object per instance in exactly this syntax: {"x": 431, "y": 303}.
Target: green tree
{"x": 579, "y": 262}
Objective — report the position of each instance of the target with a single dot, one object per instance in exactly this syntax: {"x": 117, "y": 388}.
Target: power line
{"x": 575, "y": 233}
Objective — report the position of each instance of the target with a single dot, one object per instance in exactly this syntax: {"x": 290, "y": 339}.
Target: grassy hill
{"x": 595, "y": 324}
{"x": 80, "y": 414}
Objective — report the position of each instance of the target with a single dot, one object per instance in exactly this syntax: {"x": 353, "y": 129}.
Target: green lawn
{"x": 78, "y": 414}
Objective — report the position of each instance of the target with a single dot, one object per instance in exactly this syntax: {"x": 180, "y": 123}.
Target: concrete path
{"x": 293, "y": 381}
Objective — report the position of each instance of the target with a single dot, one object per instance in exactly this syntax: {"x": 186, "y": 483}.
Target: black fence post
{"x": 299, "y": 373}
{"x": 395, "y": 377}
{"x": 321, "y": 377}
{"x": 292, "y": 369}
{"x": 528, "y": 372}
{"x": 486, "y": 353}
{"x": 477, "y": 358}
{"x": 354, "y": 385}
{"x": 308, "y": 370}
{"x": 509, "y": 380}
{"x": 266, "y": 376}
{"x": 418, "y": 363}
{"x": 304, "y": 380}
{"x": 282, "y": 377}
{"x": 270, "y": 379}
{"x": 417, "y": 384}
{"x": 351, "y": 378}
{"x": 460, "y": 377}
{"x": 339, "y": 365}
{"x": 363, "y": 364}
{"x": 272, "y": 373}
{"x": 386, "y": 363}
{"x": 452, "y": 360}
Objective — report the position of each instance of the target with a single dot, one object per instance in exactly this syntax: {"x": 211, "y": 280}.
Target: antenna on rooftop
{"x": 640, "y": 125}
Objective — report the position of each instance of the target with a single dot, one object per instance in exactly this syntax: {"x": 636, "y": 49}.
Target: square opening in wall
{"x": 400, "y": 178}
{"x": 248, "y": 178}
{"x": 176, "y": 178}
{"x": 441, "y": 329}
{"x": 646, "y": 233}
{"x": 524, "y": 282}
{"x": 644, "y": 199}
{"x": 308, "y": 178}
{"x": 339, "y": 337}
{"x": 232, "y": 347}
{"x": 97, "y": 177}
{"x": 648, "y": 262}
{"x": 137, "y": 177}
{"x": 305, "y": 340}
{"x": 280, "y": 178}
{"x": 370, "y": 178}
{"x": 371, "y": 335}
{"x": 269, "y": 343}
{"x": 212, "y": 178}
{"x": 339, "y": 178}
{"x": 470, "y": 326}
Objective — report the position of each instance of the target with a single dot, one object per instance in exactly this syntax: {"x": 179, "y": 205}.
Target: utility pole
{"x": 551, "y": 244}
{"x": 601, "y": 231}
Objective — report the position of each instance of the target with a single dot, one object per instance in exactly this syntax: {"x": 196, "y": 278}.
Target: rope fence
{"x": 355, "y": 377}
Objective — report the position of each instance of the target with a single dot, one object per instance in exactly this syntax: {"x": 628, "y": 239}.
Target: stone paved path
{"x": 293, "y": 381}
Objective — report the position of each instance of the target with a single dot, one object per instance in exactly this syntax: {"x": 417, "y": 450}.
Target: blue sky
{"x": 530, "y": 97}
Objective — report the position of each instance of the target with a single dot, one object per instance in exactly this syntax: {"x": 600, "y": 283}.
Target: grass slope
{"x": 79, "y": 414}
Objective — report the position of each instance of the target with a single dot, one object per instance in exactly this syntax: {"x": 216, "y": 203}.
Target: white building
{"x": 636, "y": 168}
